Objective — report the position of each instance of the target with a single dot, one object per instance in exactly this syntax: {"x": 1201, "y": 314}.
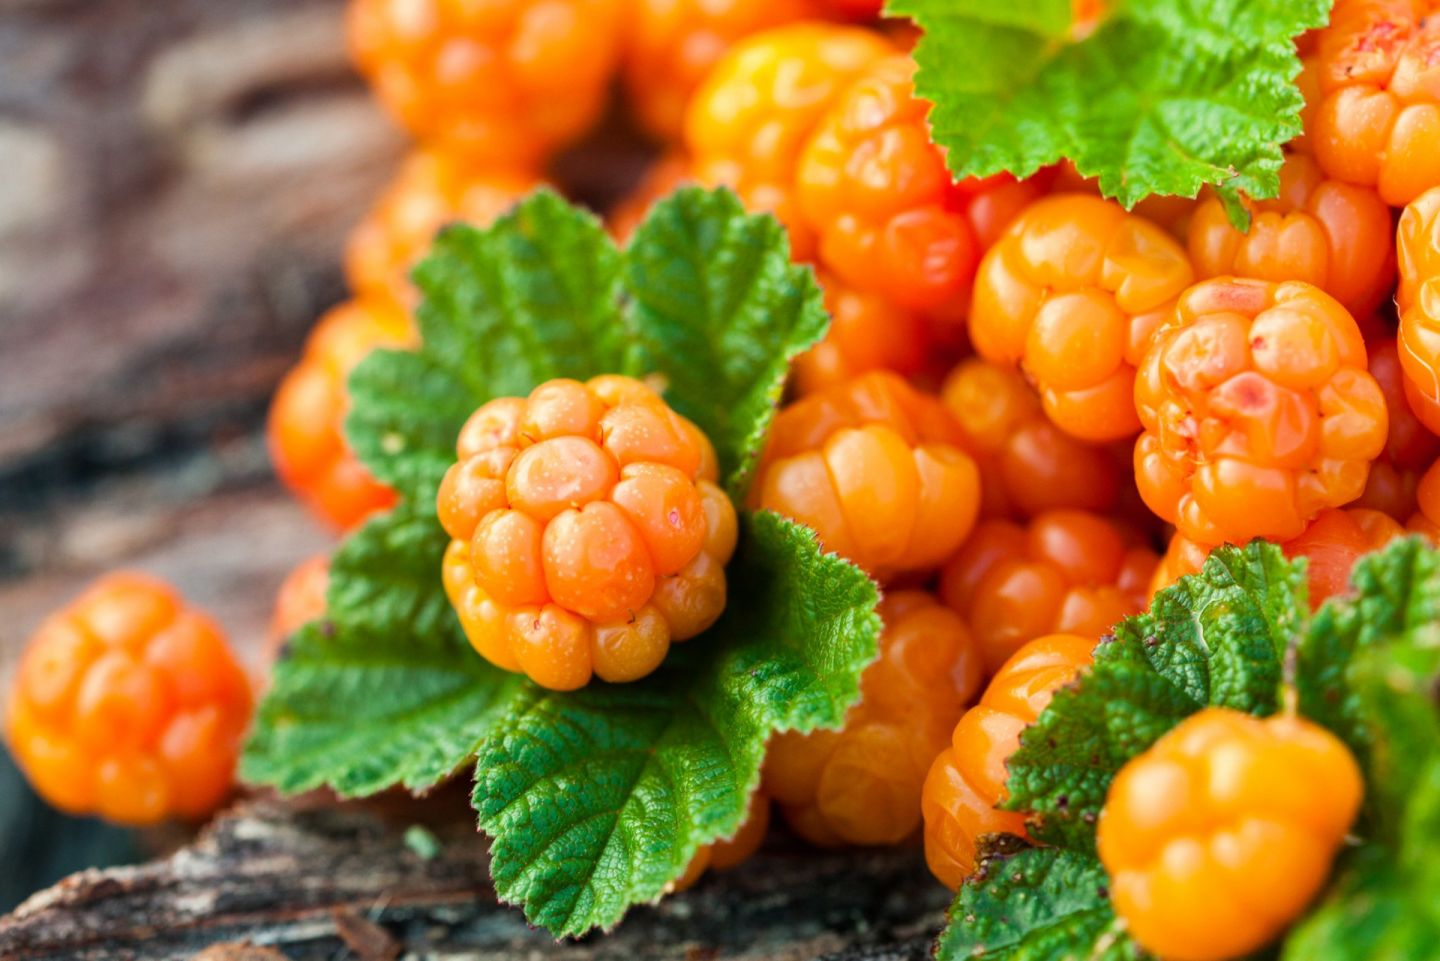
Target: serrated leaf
{"x": 1218, "y": 638}
{"x": 1035, "y": 904}
{"x": 1164, "y": 96}
{"x": 598, "y": 799}
{"x": 720, "y": 312}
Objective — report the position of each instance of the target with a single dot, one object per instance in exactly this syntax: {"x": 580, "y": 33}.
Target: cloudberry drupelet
{"x": 301, "y": 599}
{"x": 432, "y": 189}
{"x": 1410, "y": 446}
{"x": 747, "y": 123}
{"x": 1027, "y": 464}
{"x": 889, "y": 217}
{"x": 733, "y": 851}
{"x": 1325, "y": 232}
{"x": 1218, "y": 836}
{"x": 506, "y": 81}
{"x": 1426, "y": 519}
{"x": 1072, "y": 293}
{"x": 587, "y": 531}
{"x": 1258, "y": 411}
{"x": 966, "y": 783}
{"x": 128, "y": 704}
{"x": 877, "y": 470}
{"x": 861, "y": 784}
{"x": 1067, "y": 572}
{"x": 867, "y": 332}
{"x": 1376, "y": 71}
{"x": 1418, "y": 242}
{"x": 307, "y": 416}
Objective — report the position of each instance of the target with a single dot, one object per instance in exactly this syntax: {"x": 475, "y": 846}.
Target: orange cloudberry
{"x": 1072, "y": 293}
{"x": 732, "y": 851}
{"x": 307, "y": 416}
{"x": 301, "y": 599}
{"x": 1169, "y": 211}
{"x": 507, "y": 82}
{"x": 1067, "y": 572}
{"x": 1418, "y": 242}
{"x": 1376, "y": 71}
{"x": 1219, "y": 835}
{"x": 128, "y": 704}
{"x": 966, "y": 783}
{"x": 1426, "y": 519}
{"x": 877, "y": 470}
{"x": 747, "y": 123}
{"x": 861, "y": 784}
{"x": 1258, "y": 411}
{"x": 587, "y": 531}
{"x": 867, "y": 332}
{"x": 1410, "y": 446}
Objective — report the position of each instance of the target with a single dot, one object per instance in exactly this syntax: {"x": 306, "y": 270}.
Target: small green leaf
{"x": 598, "y": 799}
{"x": 1035, "y": 904}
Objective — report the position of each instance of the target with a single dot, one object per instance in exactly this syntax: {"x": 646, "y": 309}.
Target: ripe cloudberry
{"x": 867, "y": 332}
{"x": 1073, "y": 292}
{"x": 1027, "y": 464}
{"x": 1377, "y": 73}
{"x": 749, "y": 120}
{"x": 1325, "y": 232}
{"x": 128, "y": 704}
{"x": 861, "y": 784}
{"x": 1218, "y": 836}
{"x": 1067, "y": 572}
{"x": 966, "y": 783}
{"x": 1418, "y": 242}
{"x": 507, "y": 81}
{"x": 307, "y": 416}
{"x": 301, "y": 599}
{"x": 1410, "y": 447}
{"x": 889, "y": 217}
{"x": 877, "y": 470}
{"x": 1258, "y": 411}
{"x": 1426, "y": 519}
{"x": 733, "y": 851}
{"x": 587, "y": 531}
{"x": 1169, "y": 211}
{"x": 432, "y": 189}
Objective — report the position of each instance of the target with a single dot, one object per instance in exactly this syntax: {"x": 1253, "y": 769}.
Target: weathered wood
{"x": 315, "y": 881}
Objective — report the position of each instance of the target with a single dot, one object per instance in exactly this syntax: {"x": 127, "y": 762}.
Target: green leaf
{"x": 384, "y": 690}
{"x": 1163, "y": 96}
{"x": 598, "y": 799}
{"x": 1034, "y": 904}
{"x": 720, "y": 312}
{"x": 1218, "y": 638}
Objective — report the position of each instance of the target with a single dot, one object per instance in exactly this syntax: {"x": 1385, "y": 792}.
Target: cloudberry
{"x": 966, "y": 783}
{"x": 671, "y": 45}
{"x": 307, "y": 416}
{"x": 1067, "y": 572}
{"x": 1218, "y": 836}
{"x": 867, "y": 332}
{"x": 877, "y": 470}
{"x": 432, "y": 189}
{"x": 1377, "y": 73}
{"x": 1169, "y": 211}
{"x": 128, "y": 704}
{"x": 1426, "y": 519}
{"x": 861, "y": 784}
{"x": 1410, "y": 447}
{"x": 1072, "y": 293}
{"x": 1258, "y": 411}
{"x": 749, "y": 120}
{"x": 301, "y": 599}
{"x": 1027, "y": 464}
{"x": 732, "y": 851}
{"x": 587, "y": 531}
{"x": 890, "y": 218}
{"x": 1418, "y": 241}
{"x": 1325, "y": 232}
{"x": 507, "y": 81}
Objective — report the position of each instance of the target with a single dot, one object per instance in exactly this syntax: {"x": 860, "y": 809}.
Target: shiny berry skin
{"x": 1418, "y": 242}
{"x": 1072, "y": 293}
{"x": 671, "y": 45}
{"x": 1027, "y": 464}
{"x": 506, "y": 81}
{"x": 748, "y": 122}
{"x": 1258, "y": 411}
{"x": 877, "y": 470}
{"x": 889, "y": 217}
{"x": 1410, "y": 446}
{"x": 1067, "y": 572}
{"x": 307, "y": 416}
{"x": 966, "y": 782}
{"x": 129, "y": 705}
{"x": 1329, "y": 233}
{"x": 587, "y": 531}
{"x": 1377, "y": 121}
{"x": 432, "y": 189}
{"x": 867, "y": 332}
{"x": 732, "y": 851}
{"x": 301, "y": 599}
{"x": 1218, "y": 836}
{"x": 861, "y": 784}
